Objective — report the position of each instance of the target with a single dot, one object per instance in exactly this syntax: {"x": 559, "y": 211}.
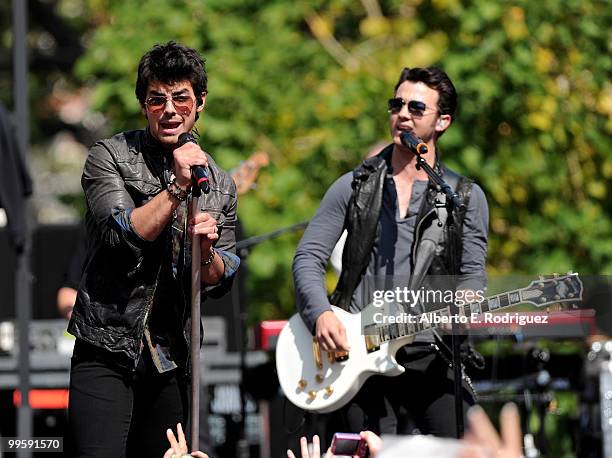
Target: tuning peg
{"x": 312, "y": 395}
{"x": 319, "y": 378}
{"x": 302, "y": 384}
{"x": 329, "y": 390}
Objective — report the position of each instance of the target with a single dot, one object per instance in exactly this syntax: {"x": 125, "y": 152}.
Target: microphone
{"x": 199, "y": 173}
{"x": 414, "y": 143}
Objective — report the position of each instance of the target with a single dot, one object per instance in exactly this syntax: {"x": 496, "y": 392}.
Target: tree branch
{"x": 321, "y": 32}
{"x": 372, "y": 7}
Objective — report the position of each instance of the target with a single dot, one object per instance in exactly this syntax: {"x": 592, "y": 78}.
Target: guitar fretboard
{"x": 423, "y": 322}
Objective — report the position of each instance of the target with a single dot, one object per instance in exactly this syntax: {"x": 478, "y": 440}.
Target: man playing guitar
{"x": 386, "y": 204}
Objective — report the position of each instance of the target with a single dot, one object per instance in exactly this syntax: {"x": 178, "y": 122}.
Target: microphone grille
{"x": 186, "y": 137}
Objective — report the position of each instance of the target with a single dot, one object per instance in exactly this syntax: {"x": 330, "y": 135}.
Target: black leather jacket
{"x": 122, "y": 269}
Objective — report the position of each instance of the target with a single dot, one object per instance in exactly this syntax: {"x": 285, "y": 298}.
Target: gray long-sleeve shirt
{"x": 390, "y": 260}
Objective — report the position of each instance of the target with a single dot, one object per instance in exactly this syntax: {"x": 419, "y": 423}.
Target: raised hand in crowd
{"x": 374, "y": 442}
{"x": 483, "y": 441}
{"x": 374, "y": 445}
{"x": 178, "y": 447}
{"x": 316, "y": 449}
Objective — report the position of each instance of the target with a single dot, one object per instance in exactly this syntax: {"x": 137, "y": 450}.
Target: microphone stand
{"x": 243, "y": 251}
{"x": 196, "y": 278}
{"x": 451, "y": 196}
{"x": 454, "y": 202}
{"x": 243, "y": 246}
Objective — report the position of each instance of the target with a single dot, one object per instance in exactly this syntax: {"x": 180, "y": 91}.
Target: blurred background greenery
{"x": 307, "y": 82}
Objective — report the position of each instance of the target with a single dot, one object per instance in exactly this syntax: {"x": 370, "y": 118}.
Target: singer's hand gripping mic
{"x": 200, "y": 174}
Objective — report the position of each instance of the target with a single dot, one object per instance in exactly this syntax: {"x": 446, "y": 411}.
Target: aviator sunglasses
{"x": 415, "y": 108}
{"x": 183, "y": 104}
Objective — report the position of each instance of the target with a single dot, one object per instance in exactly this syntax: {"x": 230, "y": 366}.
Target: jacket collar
{"x": 151, "y": 145}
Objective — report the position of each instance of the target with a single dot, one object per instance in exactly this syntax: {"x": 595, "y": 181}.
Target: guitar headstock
{"x": 553, "y": 289}
{"x": 246, "y": 173}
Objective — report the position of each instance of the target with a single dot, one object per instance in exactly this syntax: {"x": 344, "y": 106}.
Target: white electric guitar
{"x": 321, "y": 381}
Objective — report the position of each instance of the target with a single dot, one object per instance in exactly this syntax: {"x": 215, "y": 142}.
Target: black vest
{"x": 362, "y": 219}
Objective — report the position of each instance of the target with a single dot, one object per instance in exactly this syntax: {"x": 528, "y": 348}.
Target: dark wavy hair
{"x": 170, "y": 63}
{"x": 436, "y": 79}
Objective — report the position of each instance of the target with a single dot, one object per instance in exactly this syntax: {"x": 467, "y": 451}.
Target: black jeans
{"x": 420, "y": 400}
{"x": 115, "y": 412}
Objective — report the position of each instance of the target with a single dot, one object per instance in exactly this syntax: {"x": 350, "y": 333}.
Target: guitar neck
{"x": 416, "y": 324}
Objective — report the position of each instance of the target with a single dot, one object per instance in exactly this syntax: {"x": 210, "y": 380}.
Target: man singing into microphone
{"x": 386, "y": 205}
{"x": 129, "y": 374}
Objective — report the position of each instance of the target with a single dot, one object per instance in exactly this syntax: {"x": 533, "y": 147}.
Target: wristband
{"x": 210, "y": 258}
{"x": 176, "y": 192}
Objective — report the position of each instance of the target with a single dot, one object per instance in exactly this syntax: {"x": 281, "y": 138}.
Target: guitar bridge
{"x": 340, "y": 356}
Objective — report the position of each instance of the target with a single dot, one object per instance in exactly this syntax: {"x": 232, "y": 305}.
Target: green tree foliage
{"x": 307, "y": 82}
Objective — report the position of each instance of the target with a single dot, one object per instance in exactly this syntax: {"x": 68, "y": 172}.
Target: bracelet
{"x": 176, "y": 192}
{"x": 210, "y": 259}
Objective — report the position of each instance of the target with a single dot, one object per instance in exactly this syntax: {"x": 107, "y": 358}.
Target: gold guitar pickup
{"x": 316, "y": 351}
{"x": 372, "y": 343}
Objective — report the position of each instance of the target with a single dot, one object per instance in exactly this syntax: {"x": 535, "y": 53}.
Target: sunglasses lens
{"x": 416, "y": 108}
{"x": 395, "y": 104}
{"x": 183, "y": 104}
{"x": 156, "y": 103}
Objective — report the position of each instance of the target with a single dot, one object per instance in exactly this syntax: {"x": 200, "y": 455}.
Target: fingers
{"x": 204, "y": 225}
{"x": 343, "y": 339}
{"x": 473, "y": 451}
{"x": 190, "y": 154}
{"x": 374, "y": 442}
{"x": 186, "y": 157}
{"x": 181, "y": 438}
{"x": 331, "y": 333}
{"x": 325, "y": 341}
{"x": 173, "y": 442}
{"x": 333, "y": 340}
{"x": 304, "y": 447}
{"x": 168, "y": 453}
{"x": 511, "y": 429}
{"x": 199, "y": 454}
{"x": 482, "y": 429}
{"x": 316, "y": 447}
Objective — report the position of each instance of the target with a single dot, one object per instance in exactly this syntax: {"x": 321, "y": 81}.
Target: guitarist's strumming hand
{"x": 331, "y": 333}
